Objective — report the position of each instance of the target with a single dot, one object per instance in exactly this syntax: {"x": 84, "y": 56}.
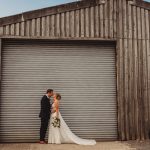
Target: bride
{"x": 59, "y": 131}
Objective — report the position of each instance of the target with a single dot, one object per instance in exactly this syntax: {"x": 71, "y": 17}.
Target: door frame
{"x": 2, "y": 39}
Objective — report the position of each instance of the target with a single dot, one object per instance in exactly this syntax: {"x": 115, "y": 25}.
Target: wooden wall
{"x": 87, "y": 22}
{"x": 133, "y": 56}
{"x": 129, "y": 25}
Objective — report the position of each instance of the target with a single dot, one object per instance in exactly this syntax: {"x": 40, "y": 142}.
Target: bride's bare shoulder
{"x": 57, "y": 102}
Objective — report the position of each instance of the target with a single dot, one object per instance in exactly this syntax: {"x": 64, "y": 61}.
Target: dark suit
{"x": 44, "y": 115}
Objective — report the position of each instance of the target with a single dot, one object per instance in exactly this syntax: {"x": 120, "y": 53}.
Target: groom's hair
{"x": 49, "y": 90}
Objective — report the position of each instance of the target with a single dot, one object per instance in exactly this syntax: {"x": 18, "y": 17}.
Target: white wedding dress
{"x": 64, "y": 134}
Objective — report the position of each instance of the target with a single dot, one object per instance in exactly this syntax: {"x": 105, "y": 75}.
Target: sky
{"x": 12, "y": 7}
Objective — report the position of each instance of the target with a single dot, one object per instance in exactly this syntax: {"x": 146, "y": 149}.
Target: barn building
{"x": 96, "y": 53}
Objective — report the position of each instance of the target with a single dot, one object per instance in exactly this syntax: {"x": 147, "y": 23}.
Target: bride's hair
{"x": 58, "y": 96}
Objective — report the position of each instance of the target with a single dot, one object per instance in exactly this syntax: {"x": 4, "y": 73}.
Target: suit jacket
{"x": 45, "y": 107}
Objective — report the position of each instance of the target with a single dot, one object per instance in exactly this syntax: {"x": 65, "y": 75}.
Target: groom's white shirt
{"x": 49, "y": 99}
{"x": 47, "y": 96}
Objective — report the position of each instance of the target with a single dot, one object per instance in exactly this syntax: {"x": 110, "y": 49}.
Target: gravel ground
{"x": 139, "y": 145}
{"x": 114, "y": 145}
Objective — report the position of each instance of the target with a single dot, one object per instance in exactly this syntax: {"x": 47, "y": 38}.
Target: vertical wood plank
{"x": 1, "y": 30}
{"x": 22, "y": 29}
{"x": 72, "y": 22}
{"x": 139, "y": 88}
{"x": 121, "y": 83}
{"x": 139, "y": 68}
{"x": 0, "y": 61}
{"x": 33, "y": 27}
{"x": 143, "y": 23}
{"x": 102, "y": 20}
{"x": 87, "y": 33}
{"x": 97, "y": 20}
{"x": 58, "y": 25}
{"x": 119, "y": 19}
{"x": 67, "y": 24}
{"x": 130, "y": 70}
{"x": 12, "y": 29}
{"x": 52, "y": 29}
{"x": 82, "y": 22}
{"x": 17, "y": 30}
{"x": 111, "y": 7}
{"x": 92, "y": 22}
{"x": 139, "y": 22}
{"x": 124, "y": 17}
{"x": 120, "y": 90}
{"x": 43, "y": 26}
{"x": 115, "y": 19}
{"x": 38, "y": 27}
{"x": 148, "y": 57}
{"x": 28, "y": 28}
{"x": 47, "y": 28}
{"x": 147, "y": 28}
{"x": 126, "y": 75}
{"x": 77, "y": 23}
{"x": 147, "y": 18}
{"x": 144, "y": 77}
{"x": 7, "y": 30}
{"x": 106, "y": 19}
{"x": 135, "y": 89}
{"x": 141, "y": 79}
{"x": 62, "y": 25}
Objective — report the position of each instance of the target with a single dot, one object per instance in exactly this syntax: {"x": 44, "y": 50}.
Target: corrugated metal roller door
{"x": 83, "y": 72}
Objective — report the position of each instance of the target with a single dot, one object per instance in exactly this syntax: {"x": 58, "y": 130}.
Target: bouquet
{"x": 56, "y": 122}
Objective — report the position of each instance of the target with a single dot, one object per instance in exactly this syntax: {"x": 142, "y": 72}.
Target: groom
{"x": 45, "y": 114}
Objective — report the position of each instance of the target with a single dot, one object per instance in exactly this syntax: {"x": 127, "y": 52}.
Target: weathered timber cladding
{"x": 93, "y": 21}
{"x": 0, "y": 58}
{"x": 133, "y": 66}
{"x": 127, "y": 22}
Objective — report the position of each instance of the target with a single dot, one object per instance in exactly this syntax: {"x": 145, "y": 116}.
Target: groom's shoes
{"x": 43, "y": 142}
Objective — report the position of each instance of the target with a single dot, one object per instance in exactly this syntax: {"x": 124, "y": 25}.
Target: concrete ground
{"x": 115, "y": 145}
